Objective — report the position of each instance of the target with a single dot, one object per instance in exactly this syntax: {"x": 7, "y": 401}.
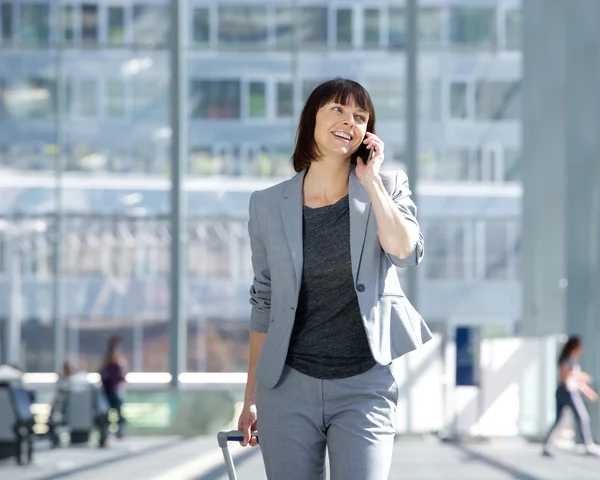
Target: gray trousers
{"x": 573, "y": 400}
{"x": 353, "y": 418}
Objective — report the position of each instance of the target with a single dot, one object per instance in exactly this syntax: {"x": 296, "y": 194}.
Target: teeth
{"x": 342, "y": 135}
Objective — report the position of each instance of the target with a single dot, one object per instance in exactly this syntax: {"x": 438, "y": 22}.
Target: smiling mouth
{"x": 342, "y": 136}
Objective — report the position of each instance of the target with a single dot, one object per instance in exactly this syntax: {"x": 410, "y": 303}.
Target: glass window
{"x": 115, "y": 98}
{"x": 430, "y": 100}
{"x": 89, "y": 24}
{"x": 116, "y": 26}
{"x": 473, "y": 27}
{"x": 308, "y": 85}
{"x": 88, "y": 98}
{"x": 151, "y": 25}
{"x": 496, "y": 251}
{"x": 68, "y": 25}
{"x": 457, "y": 165}
{"x": 284, "y": 28}
{"x": 344, "y": 27}
{"x": 512, "y": 165}
{"x": 512, "y": 25}
{"x": 257, "y": 100}
{"x": 6, "y": 25}
{"x": 397, "y": 33}
{"x": 149, "y": 99}
{"x": 371, "y": 28}
{"x": 312, "y": 26}
{"x": 242, "y": 25}
{"x": 388, "y": 97}
{"x": 285, "y": 100}
{"x": 31, "y": 98}
{"x": 201, "y": 26}
{"x": 430, "y": 27}
{"x": 458, "y": 100}
{"x": 215, "y": 99}
{"x": 498, "y": 100}
{"x": 35, "y": 24}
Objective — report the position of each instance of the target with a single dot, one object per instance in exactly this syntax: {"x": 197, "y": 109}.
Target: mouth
{"x": 342, "y": 136}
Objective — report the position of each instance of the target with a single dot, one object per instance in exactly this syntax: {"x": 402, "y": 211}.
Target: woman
{"x": 328, "y": 313}
{"x": 572, "y": 383}
{"x": 112, "y": 374}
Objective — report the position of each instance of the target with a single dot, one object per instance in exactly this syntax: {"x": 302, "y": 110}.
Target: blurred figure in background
{"x": 113, "y": 373}
{"x": 572, "y": 383}
{"x": 59, "y": 404}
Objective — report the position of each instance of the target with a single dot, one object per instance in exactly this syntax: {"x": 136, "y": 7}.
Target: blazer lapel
{"x": 291, "y": 214}
{"x": 360, "y": 210}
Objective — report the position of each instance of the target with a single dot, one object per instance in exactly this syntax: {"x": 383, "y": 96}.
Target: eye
{"x": 338, "y": 109}
{"x": 361, "y": 118}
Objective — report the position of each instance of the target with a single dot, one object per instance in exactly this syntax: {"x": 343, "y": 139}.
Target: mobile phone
{"x": 363, "y": 152}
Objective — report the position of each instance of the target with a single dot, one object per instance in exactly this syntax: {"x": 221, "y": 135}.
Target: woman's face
{"x": 340, "y": 129}
{"x": 577, "y": 352}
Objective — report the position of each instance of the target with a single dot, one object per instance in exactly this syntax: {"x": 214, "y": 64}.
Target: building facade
{"x": 84, "y": 88}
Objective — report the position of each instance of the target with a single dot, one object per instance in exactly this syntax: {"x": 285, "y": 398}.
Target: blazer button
{"x": 360, "y": 287}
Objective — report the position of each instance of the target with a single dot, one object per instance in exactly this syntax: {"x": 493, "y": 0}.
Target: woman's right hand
{"x": 247, "y": 423}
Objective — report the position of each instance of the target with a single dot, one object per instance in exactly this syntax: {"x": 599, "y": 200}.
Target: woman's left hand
{"x": 370, "y": 170}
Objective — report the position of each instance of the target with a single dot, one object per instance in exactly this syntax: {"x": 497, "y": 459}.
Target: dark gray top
{"x": 329, "y": 339}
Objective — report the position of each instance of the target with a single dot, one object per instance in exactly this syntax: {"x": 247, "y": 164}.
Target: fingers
{"x": 246, "y": 431}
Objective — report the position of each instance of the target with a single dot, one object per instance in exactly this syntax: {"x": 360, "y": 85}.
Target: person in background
{"x": 572, "y": 383}
{"x": 112, "y": 374}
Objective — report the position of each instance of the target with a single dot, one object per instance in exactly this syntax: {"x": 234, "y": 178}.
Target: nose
{"x": 349, "y": 120}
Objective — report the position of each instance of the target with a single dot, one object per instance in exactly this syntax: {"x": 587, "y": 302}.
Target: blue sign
{"x": 467, "y": 356}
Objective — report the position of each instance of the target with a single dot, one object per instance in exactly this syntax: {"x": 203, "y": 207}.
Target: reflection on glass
{"x": 243, "y": 26}
{"x": 6, "y": 23}
{"x": 430, "y": 27}
{"x": 312, "y": 27}
{"x": 473, "y": 27}
{"x": 68, "y": 25}
{"x": 498, "y": 100}
{"x": 116, "y": 26}
{"x": 371, "y": 28}
{"x": 257, "y": 100}
{"x": 150, "y": 25}
{"x": 201, "y": 26}
{"x": 35, "y": 24}
{"x": 29, "y": 98}
{"x": 150, "y": 99}
{"x": 215, "y": 99}
{"x": 284, "y": 28}
{"x": 430, "y": 100}
{"x": 496, "y": 251}
{"x": 344, "y": 27}
{"x": 388, "y": 97}
{"x": 285, "y": 100}
{"x": 512, "y": 165}
{"x": 115, "y": 101}
{"x": 397, "y": 28}
{"x": 513, "y": 29}
{"x": 89, "y": 24}
{"x": 88, "y": 98}
{"x": 458, "y": 100}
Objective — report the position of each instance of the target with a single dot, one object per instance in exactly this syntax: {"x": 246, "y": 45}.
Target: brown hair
{"x": 338, "y": 90}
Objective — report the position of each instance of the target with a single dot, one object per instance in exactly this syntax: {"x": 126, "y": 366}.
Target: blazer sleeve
{"x": 260, "y": 291}
{"x": 401, "y": 196}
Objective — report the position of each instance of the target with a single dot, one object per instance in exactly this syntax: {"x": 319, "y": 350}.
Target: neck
{"x": 327, "y": 179}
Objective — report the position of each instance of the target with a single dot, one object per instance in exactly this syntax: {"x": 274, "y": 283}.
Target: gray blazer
{"x": 393, "y": 326}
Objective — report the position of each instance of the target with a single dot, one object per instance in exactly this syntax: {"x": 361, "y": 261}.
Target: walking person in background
{"x": 113, "y": 373}
{"x": 328, "y": 312}
{"x": 572, "y": 382}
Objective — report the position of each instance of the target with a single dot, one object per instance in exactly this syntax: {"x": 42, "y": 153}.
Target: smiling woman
{"x": 340, "y": 96}
{"x": 324, "y": 245}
